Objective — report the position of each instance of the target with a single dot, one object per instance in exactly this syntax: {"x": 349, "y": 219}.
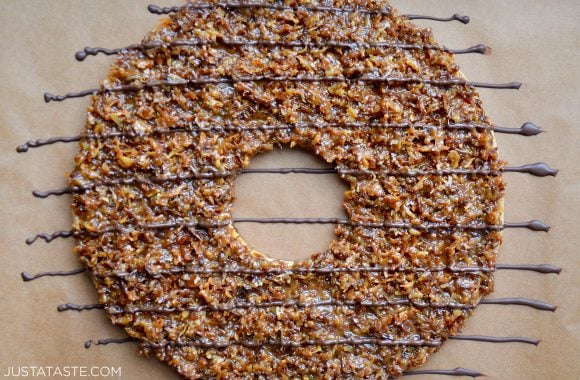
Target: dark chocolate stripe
{"x": 75, "y": 307}
{"x": 543, "y": 268}
{"x": 540, "y": 268}
{"x": 92, "y": 51}
{"x": 203, "y": 81}
{"x": 528, "y": 129}
{"x": 539, "y": 169}
{"x": 477, "y": 49}
{"x": 63, "y": 234}
{"x": 496, "y": 339}
{"x": 155, "y": 9}
{"x": 402, "y": 225}
{"x": 445, "y": 372}
{"x": 232, "y": 5}
{"x": 534, "y": 225}
{"x": 49, "y": 97}
{"x": 536, "y": 304}
{"x": 462, "y": 19}
{"x": 104, "y": 342}
{"x": 115, "y": 309}
{"x": 285, "y": 271}
{"x": 42, "y": 142}
{"x": 496, "y": 86}
{"x": 29, "y": 277}
{"x": 290, "y": 343}
{"x": 55, "y": 192}
{"x": 276, "y": 343}
{"x": 478, "y": 338}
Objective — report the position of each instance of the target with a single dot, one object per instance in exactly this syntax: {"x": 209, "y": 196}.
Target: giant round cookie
{"x": 180, "y": 120}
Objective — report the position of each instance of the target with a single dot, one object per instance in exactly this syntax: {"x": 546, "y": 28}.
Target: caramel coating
{"x": 174, "y": 336}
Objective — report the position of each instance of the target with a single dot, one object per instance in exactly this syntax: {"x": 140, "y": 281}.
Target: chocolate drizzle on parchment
{"x": 527, "y": 129}
{"x": 420, "y": 304}
{"x": 533, "y": 225}
{"x": 389, "y": 80}
{"x": 475, "y": 338}
{"x": 539, "y": 268}
{"x": 155, "y": 9}
{"x": 225, "y": 42}
{"x": 538, "y": 169}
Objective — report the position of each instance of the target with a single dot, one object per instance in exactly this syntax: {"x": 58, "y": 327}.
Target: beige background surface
{"x": 536, "y": 42}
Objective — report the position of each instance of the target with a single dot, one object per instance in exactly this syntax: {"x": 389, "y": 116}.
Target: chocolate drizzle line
{"x": 280, "y": 343}
{"x": 528, "y": 129}
{"x": 496, "y": 339}
{"x": 232, "y": 5}
{"x": 478, "y": 49}
{"x": 92, "y": 51}
{"x": 115, "y": 309}
{"x": 203, "y": 81}
{"x": 287, "y": 343}
{"x": 29, "y": 277}
{"x": 290, "y": 343}
{"x": 536, "y": 304}
{"x": 462, "y": 19}
{"x": 155, "y": 9}
{"x": 477, "y": 338}
{"x": 75, "y": 307}
{"x": 446, "y": 372}
{"x": 538, "y": 169}
{"x": 64, "y": 234}
{"x": 42, "y": 142}
{"x": 534, "y": 225}
{"x": 227, "y": 5}
{"x": 104, "y": 342}
{"x": 542, "y": 268}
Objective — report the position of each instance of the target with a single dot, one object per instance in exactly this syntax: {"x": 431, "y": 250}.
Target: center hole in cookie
{"x": 291, "y": 196}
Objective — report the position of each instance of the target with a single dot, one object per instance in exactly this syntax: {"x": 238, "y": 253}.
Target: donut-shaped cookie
{"x": 364, "y": 89}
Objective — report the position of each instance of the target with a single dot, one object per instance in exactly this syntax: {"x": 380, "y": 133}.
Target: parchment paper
{"x": 535, "y": 42}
